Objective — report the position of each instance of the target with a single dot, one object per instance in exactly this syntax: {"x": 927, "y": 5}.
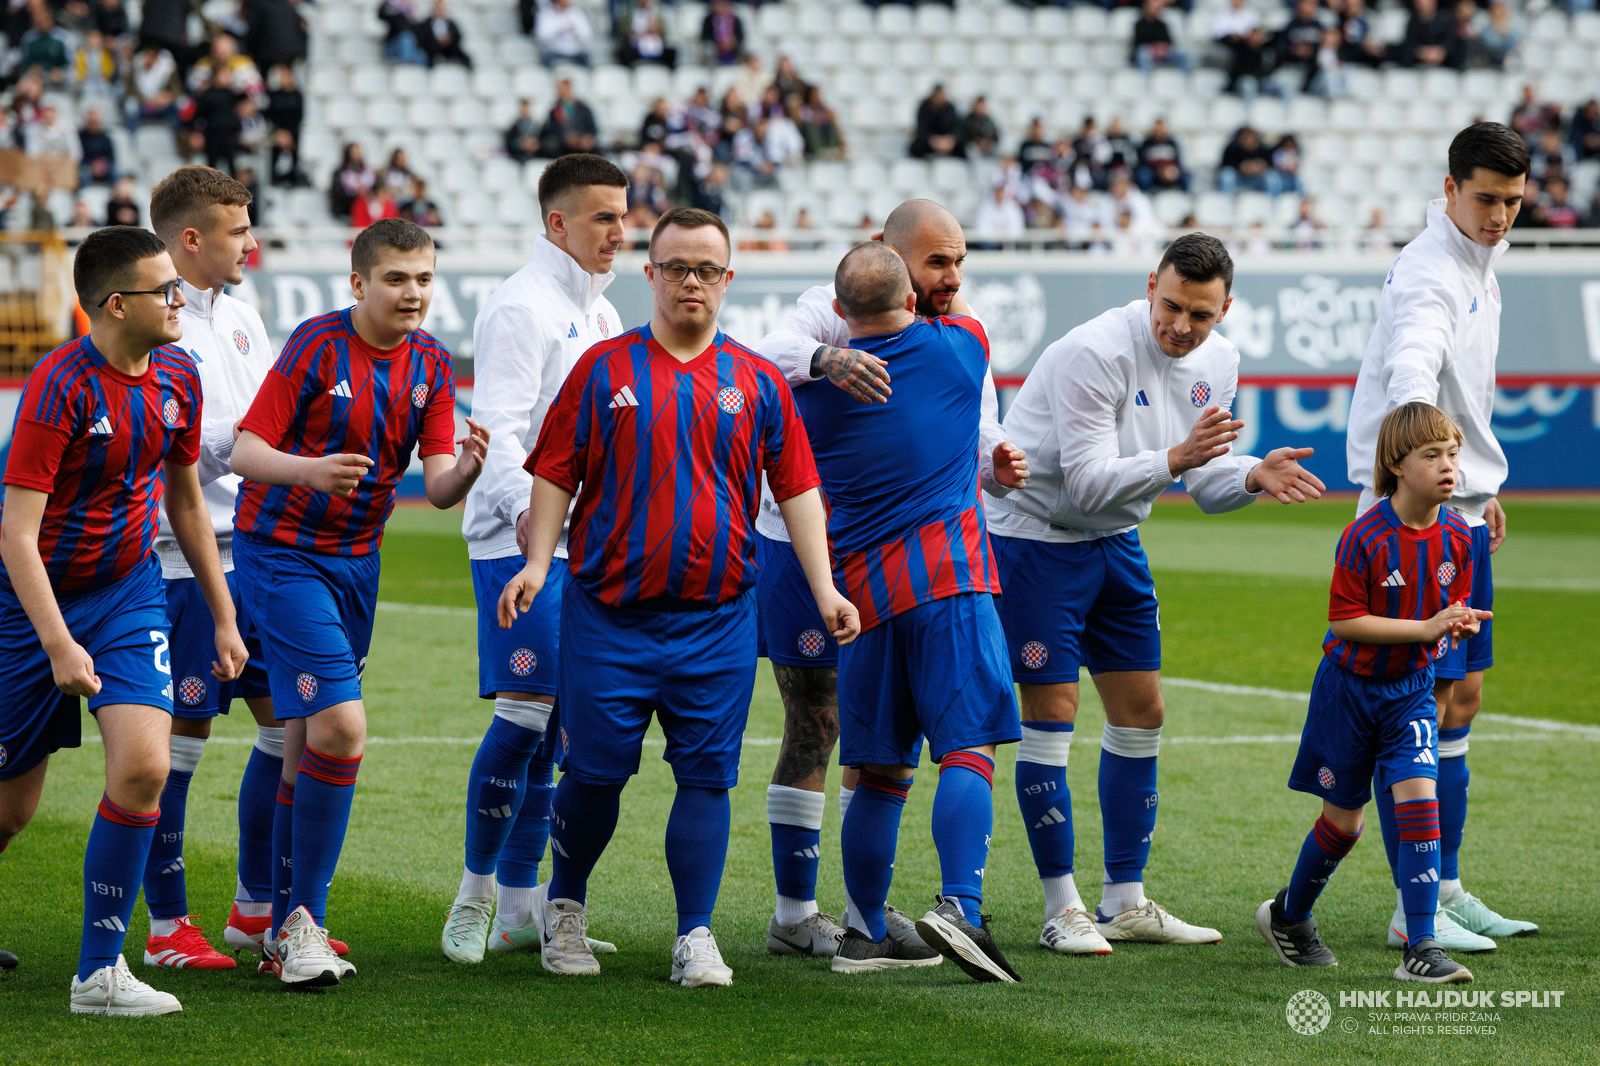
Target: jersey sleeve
{"x": 272, "y": 411}
{"x": 439, "y": 420}
{"x": 1347, "y": 596}
{"x": 562, "y": 454}
{"x": 185, "y": 447}
{"x": 812, "y": 324}
{"x": 786, "y": 449}
{"x": 35, "y": 456}
{"x": 1221, "y": 484}
{"x": 1085, "y": 396}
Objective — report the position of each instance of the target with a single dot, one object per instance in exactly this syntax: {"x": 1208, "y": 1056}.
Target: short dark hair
{"x": 871, "y": 280}
{"x": 106, "y": 259}
{"x": 394, "y": 233}
{"x": 575, "y": 172}
{"x": 184, "y": 197}
{"x": 1492, "y": 146}
{"x": 1199, "y": 257}
{"x": 688, "y": 218}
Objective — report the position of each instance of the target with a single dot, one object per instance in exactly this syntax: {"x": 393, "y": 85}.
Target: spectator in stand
{"x": 53, "y": 136}
{"x": 419, "y": 208}
{"x": 999, "y": 216}
{"x": 1124, "y": 197}
{"x": 657, "y": 123}
{"x": 286, "y": 105}
{"x": 710, "y": 191}
{"x": 1533, "y": 214}
{"x": 782, "y": 140}
{"x": 400, "y": 44}
{"x": 1299, "y": 40}
{"x": 722, "y": 34}
{"x": 788, "y": 79}
{"x": 648, "y": 188}
{"x": 751, "y": 83}
{"x": 1035, "y": 151}
{"x": 82, "y": 217}
{"x": 1559, "y": 211}
{"x": 243, "y": 74}
{"x": 275, "y": 33}
{"x": 110, "y": 18}
{"x": 253, "y": 131}
{"x": 564, "y": 34}
{"x": 979, "y": 133}
{"x": 284, "y": 162}
{"x": 751, "y": 169}
{"x": 1247, "y": 164}
{"x": 1503, "y": 32}
{"x": 95, "y": 67}
{"x": 440, "y": 37}
{"x": 820, "y": 127}
{"x": 1357, "y": 42}
{"x": 1551, "y": 157}
{"x": 27, "y": 100}
{"x": 1091, "y": 156}
{"x": 1152, "y": 41}
{"x": 164, "y": 24}
{"x": 938, "y": 126}
{"x": 122, "y": 209}
{"x": 353, "y": 180}
{"x": 1082, "y": 212}
{"x": 372, "y": 205}
{"x": 1331, "y": 81}
{"x": 643, "y": 36}
{"x": 1468, "y": 51}
{"x": 1585, "y": 133}
{"x": 522, "y": 139}
{"x": 1160, "y": 161}
{"x": 1237, "y": 28}
{"x": 1286, "y": 163}
{"x": 97, "y": 154}
{"x": 216, "y": 118}
{"x": 153, "y": 89}
{"x": 1530, "y": 118}
{"x": 1121, "y": 151}
{"x": 1428, "y": 37}
{"x": 47, "y": 47}
{"x": 396, "y": 174}
{"x": 570, "y": 126}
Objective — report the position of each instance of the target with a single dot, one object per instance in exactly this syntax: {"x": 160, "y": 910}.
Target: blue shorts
{"x": 522, "y": 658}
{"x": 1476, "y": 652}
{"x": 789, "y": 629}
{"x": 938, "y": 670}
{"x": 694, "y": 669}
{"x": 1358, "y": 724}
{"x": 123, "y": 627}
{"x": 1087, "y": 603}
{"x": 196, "y": 694}
{"x": 313, "y": 614}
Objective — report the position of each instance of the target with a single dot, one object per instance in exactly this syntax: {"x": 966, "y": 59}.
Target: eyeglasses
{"x": 169, "y": 291}
{"x": 675, "y": 272}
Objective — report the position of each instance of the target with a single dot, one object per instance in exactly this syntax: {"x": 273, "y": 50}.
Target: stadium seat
{"x": 1172, "y": 207}
{"x": 335, "y": 21}
{"x": 426, "y": 113}
{"x": 459, "y": 176}
{"x": 385, "y": 113}
{"x": 1227, "y": 113}
{"x": 912, "y": 53}
{"x": 327, "y": 80}
{"x": 853, "y": 20}
{"x": 500, "y": 175}
{"x": 1252, "y": 207}
{"x": 449, "y": 81}
{"x": 490, "y": 83}
{"x": 531, "y": 172}
{"x": 651, "y": 81}
{"x": 409, "y": 82}
{"x": 909, "y": 177}
{"x": 1213, "y": 210}
{"x": 895, "y": 20}
{"x": 1268, "y": 115}
{"x": 845, "y": 208}
{"x": 813, "y": 20}
{"x": 441, "y": 146}
{"x": 1051, "y": 23}
{"x": 533, "y": 82}
{"x": 867, "y": 175}
{"x": 517, "y": 51}
{"x": 950, "y": 54}
{"x": 934, "y": 21}
{"x": 1089, "y": 22}
{"x": 369, "y": 80}
{"x": 970, "y": 23}
{"x": 356, "y": 49}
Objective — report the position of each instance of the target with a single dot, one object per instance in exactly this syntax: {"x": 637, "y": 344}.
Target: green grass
{"x": 1228, "y": 837}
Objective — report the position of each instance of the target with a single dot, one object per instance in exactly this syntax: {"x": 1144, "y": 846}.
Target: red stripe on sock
{"x": 978, "y": 763}
{"x": 879, "y": 783}
{"x": 112, "y": 813}
{"x": 1335, "y": 842}
{"x": 1417, "y": 819}
{"x": 286, "y": 792}
{"x": 332, "y": 769}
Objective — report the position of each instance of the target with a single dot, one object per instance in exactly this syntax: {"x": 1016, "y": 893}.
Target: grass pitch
{"x": 1242, "y": 596}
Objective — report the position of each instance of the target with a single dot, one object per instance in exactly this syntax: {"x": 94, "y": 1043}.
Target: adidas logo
{"x": 813, "y": 852}
{"x": 498, "y": 812}
{"x": 1426, "y": 877}
{"x": 342, "y": 390}
{"x": 572, "y": 332}
{"x": 623, "y": 398}
{"x": 101, "y": 428}
{"x": 1425, "y": 758}
{"x": 1394, "y": 580}
{"x": 113, "y": 923}
{"x": 1141, "y": 400}
{"x": 175, "y": 868}
{"x": 1474, "y": 306}
{"x": 554, "y": 843}
{"x": 1051, "y": 817}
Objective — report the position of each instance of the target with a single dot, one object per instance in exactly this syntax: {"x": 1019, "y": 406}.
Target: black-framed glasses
{"x": 169, "y": 292}
{"x": 675, "y": 272}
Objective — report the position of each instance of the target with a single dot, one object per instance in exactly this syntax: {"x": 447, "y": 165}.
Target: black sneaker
{"x": 1426, "y": 961}
{"x": 858, "y": 954}
{"x": 8, "y": 961}
{"x": 947, "y": 931}
{"x": 1296, "y": 943}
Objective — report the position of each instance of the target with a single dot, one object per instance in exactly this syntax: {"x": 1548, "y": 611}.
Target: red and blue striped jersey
{"x": 1386, "y": 568}
{"x": 94, "y": 439}
{"x": 905, "y": 519}
{"x": 331, "y": 393}
{"x": 669, "y": 455}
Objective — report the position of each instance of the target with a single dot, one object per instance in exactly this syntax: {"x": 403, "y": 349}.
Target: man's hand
{"x": 522, "y": 533}
{"x": 1495, "y": 516}
{"x": 518, "y": 595}
{"x": 840, "y": 616}
{"x": 1281, "y": 476}
{"x": 338, "y": 475}
{"x": 231, "y": 654}
{"x": 1213, "y": 431}
{"x": 74, "y": 671}
{"x": 1010, "y": 465}
{"x": 474, "y": 450}
{"x": 861, "y": 374}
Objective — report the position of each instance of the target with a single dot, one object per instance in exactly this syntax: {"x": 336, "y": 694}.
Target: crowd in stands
{"x": 1557, "y": 142}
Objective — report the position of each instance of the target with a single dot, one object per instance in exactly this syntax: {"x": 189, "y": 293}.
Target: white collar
{"x": 202, "y": 300}
{"x": 1461, "y": 247}
{"x": 581, "y": 286}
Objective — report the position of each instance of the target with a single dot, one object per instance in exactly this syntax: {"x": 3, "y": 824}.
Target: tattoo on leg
{"x": 810, "y": 722}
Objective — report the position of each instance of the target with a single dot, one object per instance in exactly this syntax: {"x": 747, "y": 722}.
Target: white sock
{"x": 1119, "y": 896}
{"x": 1060, "y": 896}
{"x": 269, "y": 740}
{"x": 165, "y": 926}
{"x": 246, "y": 906}
{"x": 185, "y": 755}
{"x": 795, "y": 911}
{"x": 475, "y": 886}
{"x": 851, "y": 917}
{"x": 529, "y": 714}
{"x": 1449, "y": 889}
{"x": 515, "y": 905}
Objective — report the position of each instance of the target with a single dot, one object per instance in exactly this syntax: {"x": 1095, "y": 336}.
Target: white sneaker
{"x": 563, "y": 946}
{"x": 1446, "y": 933}
{"x": 696, "y": 962}
{"x": 903, "y": 929}
{"x": 504, "y": 936}
{"x": 1072, "y": 932}
{"x": 816, "y": 934}
{"x": 113, "y": 990}
{"x": 1149, "y": 923}
{"x": 304, "y": 957}
{"x": 466, "y": 929}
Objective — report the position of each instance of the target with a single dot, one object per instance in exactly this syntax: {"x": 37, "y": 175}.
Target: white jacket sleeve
{"x": 216, "y": 447}
{"x": 1218, "y": 487}
{"x": 505, "y": 395}
{"x": 1421, "y": 336}
{"x": 1095, "y": 476}
{"x": 812, "y": 324}
{"x": 990, "y": 435}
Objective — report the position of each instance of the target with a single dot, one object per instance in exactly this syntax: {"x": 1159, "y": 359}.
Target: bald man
{"x": 812, "y": 345}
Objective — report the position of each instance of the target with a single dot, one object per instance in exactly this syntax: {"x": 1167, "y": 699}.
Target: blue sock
{"x": 582, "y": 819}
{"x": 165, "y": 893}
{"x": 282, "y": 855}
{"x": 1453, "y": 779}
{"x": 258, "y": 803}
{"x": 795, "y": 818}
{"x": 494, "y": 790}
{"x": 119, "y": 843}
{"x": 867, "y": 843}
{"x": 323, "y": 791}
{"x": 1320, "y": 855}
{"x": 1418, "y": 822}
{"x": 1128, "y": 801}
{"x": 963, "y": 816}
{"x": 1384, "y": 801}
{"x": 697, "y": 849}
{"x": 1043, "y": 795}
{"x": 524, "y": 848}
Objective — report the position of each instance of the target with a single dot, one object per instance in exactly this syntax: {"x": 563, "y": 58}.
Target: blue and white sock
{"x": 1384, "y": 802}
{"x": 1046, "y": 805}
{"x": 165, "y": 893}
{"x": 258, "y": 802}
{"x": 1325, "y": 846}
{"x": 582, "y": 819}
{"x": 697, "y": 850}
{"x": 795, "y": 817}
{"x": 1453, "y": 780}
{"x": 849, "y": 918}
{"x": 963, "y": 817}
{"x": 1418, "y": 825}
{"x": 867, "y": 843}
{"x": 119, "y": 844}
{"x": 323, "y": 792}
{"x": 517, "y": 873}
{"x": 495, "y": 789}
{"x": 1128, "y": 801}
{"x": 282, "y": 855}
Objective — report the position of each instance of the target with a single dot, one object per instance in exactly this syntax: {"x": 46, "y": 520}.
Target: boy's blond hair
{"x": 1404, "y": 430}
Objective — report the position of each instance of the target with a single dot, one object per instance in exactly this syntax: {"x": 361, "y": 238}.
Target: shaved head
{"x": 871, "y": 280}
{"x": 916, "y": 220}
{"x": 930, "y": 241}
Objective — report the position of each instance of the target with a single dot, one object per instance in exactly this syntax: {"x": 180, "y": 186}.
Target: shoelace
{"x": 1078, "y": 922}
{"x": 569, "y": 927}
{"x": 187, "y": 933}
{"x": 463, "y": 914}
{"x": 297, "y": 938}
{"x": 704, "y": 949}
{"x": 119, "y": 978}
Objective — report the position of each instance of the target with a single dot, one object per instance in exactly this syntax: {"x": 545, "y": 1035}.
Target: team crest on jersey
{"x": 307, "y": 686}
{"x": 523, "y": 661}
{"x": 731, "y": 400}
{"x": 1447, "y": 572}
{"x": 192, "y": 691}
{"x": 170, "y": 412}
{"x": 1034, "y": 655}
{"x": 1325, "y": 778}
{"x": 811, "y": 643}
{"x": 241, "y": 341}
{"x": 2, "y": 754}
{"x": 1494, "y": 289}
{"x": 1200, "y": 394}
{"x": 562, "y": 730}
{"x": 600, "y": 324}
{"x": 1441, "y": 649}
{"x": 419, "y": 396}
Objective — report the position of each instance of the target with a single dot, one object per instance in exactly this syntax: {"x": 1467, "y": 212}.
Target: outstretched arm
{"x": 547, "y": 512}
{"x": 807, "y": 523}
{"x": 337, "y": 475}
{"x": 191, "y": 527}
{"x": 447, "y": 478}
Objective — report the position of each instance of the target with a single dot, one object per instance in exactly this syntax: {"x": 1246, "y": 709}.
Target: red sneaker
{"x": 245, "y": 933}
{"x": 185, "y": 949}
{"x": 340, "y": 948}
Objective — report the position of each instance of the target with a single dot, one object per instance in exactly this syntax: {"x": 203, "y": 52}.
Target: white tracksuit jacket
{"x": 229, "y": 344}
{"x": 1436, "y": 339}
{"x": 1096, "y": 416}
{"x": 525, "y": 341}
{"x": 814, "y": 323}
